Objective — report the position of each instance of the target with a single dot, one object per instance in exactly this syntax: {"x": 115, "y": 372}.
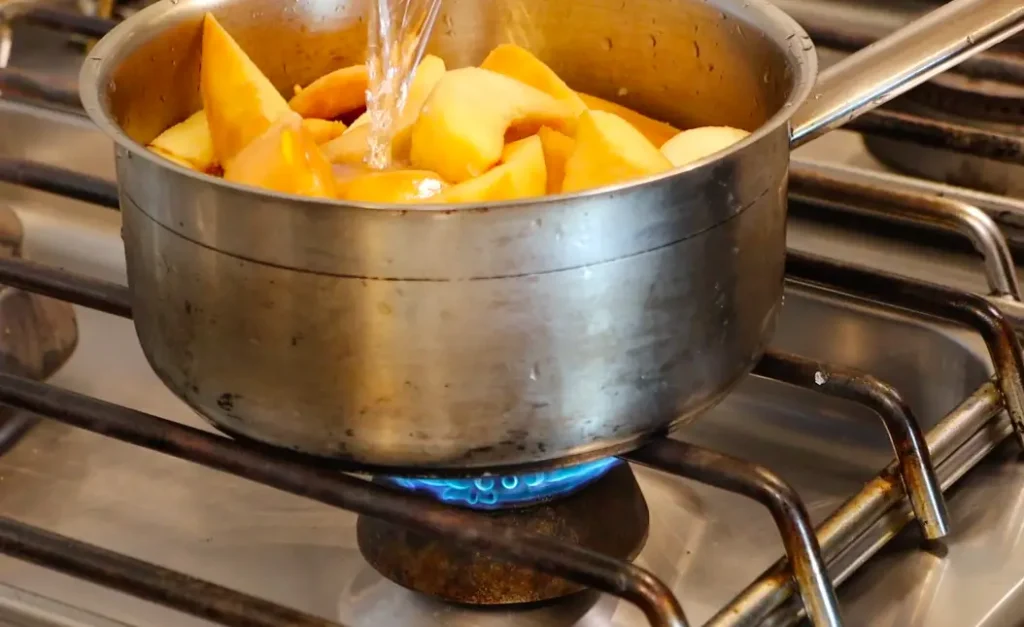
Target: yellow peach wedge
{"x": 391, "y": 186}
{"x": 188, "y": 143}
{"x": 697, "y": 143}
{"x": 323, "y": 131}
{"x": 240, "y": 102}
{"x": 284, "y": 159}
{"x": 520, "y": 64}
{"x": 609, "y": 150}
{"x": 521, "y": 174}
{"x": 557, "y": 149}
{"x": 332, "y": 95}
{"x": 460, "y": 132}
{"x": 657, "y": 132}
{"x": 351, "y": 147}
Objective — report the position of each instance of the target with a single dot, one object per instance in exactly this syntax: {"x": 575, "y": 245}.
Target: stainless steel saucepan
{"x": 458, "y": 338}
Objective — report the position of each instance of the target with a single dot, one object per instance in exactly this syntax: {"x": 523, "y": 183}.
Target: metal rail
{"x": 914, "y": 461}
{"x": 59, "y": 181}
{"x": 860, "y": 193}
{"x": 146, "y": 581}
{"x": 762, "y": 485}
{"x": 471, "y": 529}
{"x": 967, "y": 309}
{"x": 917, "y": 129}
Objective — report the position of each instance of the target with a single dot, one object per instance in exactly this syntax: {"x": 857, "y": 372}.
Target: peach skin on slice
{"x": 240, "y": 102}
{"x": 521, "y": 174}
{"x": 461, "y": 130}
{"x": 391, "y": 186}
{"x": 609, "y": 150}
{"x": 697, "y": 143}
{"x": 332, "y": 95}
{"x": 188, "y": 143}
{"x": 284, "y": 159}
{"x": 522, "y": 65}
{"x": 557, "y": 149}
{"x": 351, "y": 147}
{"x": 657, "y": 132}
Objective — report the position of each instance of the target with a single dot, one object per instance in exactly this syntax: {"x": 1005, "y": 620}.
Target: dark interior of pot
{"x": 687, "y": 62}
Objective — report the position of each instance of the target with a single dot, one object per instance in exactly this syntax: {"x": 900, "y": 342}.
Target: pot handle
{"x": 910, "y": 56}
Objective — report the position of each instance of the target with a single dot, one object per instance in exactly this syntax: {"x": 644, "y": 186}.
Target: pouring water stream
{"x": 398, "y": 31}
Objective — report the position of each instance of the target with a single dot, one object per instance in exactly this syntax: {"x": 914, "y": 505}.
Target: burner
{"x": 510, "y": 491}
{"x": 426, "y": 564}
{"x": 37, "y": 334}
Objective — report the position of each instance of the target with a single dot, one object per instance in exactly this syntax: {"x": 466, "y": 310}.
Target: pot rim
{"x": 138, "y": 29}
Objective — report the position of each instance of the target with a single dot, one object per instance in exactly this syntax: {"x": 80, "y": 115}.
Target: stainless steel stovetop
{"x": 705, "y": 544}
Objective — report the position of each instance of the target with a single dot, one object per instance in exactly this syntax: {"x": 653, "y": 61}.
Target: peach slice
{"x": 460, "y": 132}
{"x": 657, "y": 132}
{"x": 522, "y": 65}
{"x": 284, "y": 159}
{"x": 351, "y": 147}
{"x": 609, "y": 150}
{"x": 391, "y": 186}
{"x": 240, "y": 102}
{"x": 323, "y": 131}
{"x": 188, "y": 143}
{"x": 521, "y": 174}
{"x": 558, "y": 148}
{"x": 332, "y": 95}
{"x": 697, "y": 143}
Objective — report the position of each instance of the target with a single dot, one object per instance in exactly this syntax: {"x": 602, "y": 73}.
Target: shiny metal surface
{"x": 543, "y": 331}
{"x": 539, "y": 332}
{"x": 976, "y": 172}
{"x": 706, "y": 544}
{"x": 868, "y": 194}
{"x": 930, "y": 45}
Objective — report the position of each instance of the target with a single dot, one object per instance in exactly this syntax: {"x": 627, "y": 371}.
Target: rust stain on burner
{"x": 426, "y": 564}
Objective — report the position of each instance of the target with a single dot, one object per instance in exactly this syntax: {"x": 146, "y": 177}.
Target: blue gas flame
{"x": 511, "y": 490}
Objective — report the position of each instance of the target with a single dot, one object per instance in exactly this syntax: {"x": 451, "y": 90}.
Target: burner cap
{"x": 424, "y": 563}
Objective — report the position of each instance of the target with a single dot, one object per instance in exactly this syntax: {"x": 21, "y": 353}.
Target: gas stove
{"x": 894, "y": 372}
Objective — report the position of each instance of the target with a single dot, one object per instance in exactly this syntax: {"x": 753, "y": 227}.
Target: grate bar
{"x": 79, "y": 290}
{"x": 915, "y": 463}
{"x": 866, "y": 522}
{"x": 476, "y": 531}
{"x": 59, "y": 181}
{"x": 85, "y": 25}
{"x": 762, "y": 485}
{"x": 967, "y": 309}
{"x": 865, "y": 194}
{"x": 903, "y": 126}
{"x": 35, "y": 86}
{"x": 146, "y": 581}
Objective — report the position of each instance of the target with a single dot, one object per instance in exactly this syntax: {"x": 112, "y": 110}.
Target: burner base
{"x": 427, "y": 564}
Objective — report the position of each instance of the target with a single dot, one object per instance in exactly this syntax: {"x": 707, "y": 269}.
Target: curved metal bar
{"x": 915, "y": 463}
{"x": 80, "y": 290}
{"x": 48, "y": 178}
{"x": 288, "y": 473}
{"x": 147, "y": 581}
{"x": 762, "y": 485}
{"x": 862, "y": 193}
{"x": 868, "y": 516}
{"x": 87, "y": 25}
{"x": 33, "y": 85}
{"x": 925, "y": 131}
{"x": 967, "y": 309}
